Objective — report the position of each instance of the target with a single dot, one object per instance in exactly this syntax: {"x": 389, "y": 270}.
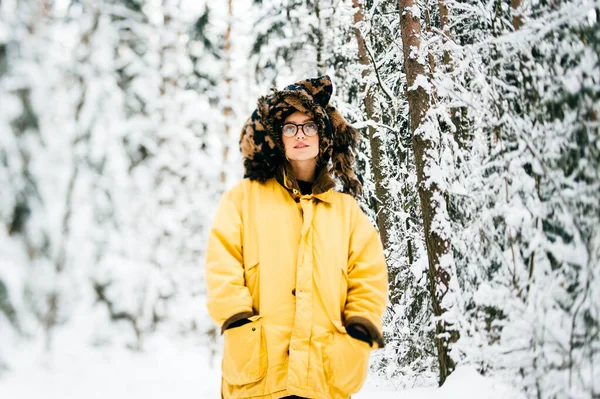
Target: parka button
{"x": 294, "y": 292}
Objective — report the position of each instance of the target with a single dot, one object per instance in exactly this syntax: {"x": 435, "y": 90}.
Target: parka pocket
{"x": 245, "y": 353}
{"x": 346, "y": 362}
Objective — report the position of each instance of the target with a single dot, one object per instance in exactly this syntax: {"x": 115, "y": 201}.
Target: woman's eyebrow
{"x": 301, "y": 121}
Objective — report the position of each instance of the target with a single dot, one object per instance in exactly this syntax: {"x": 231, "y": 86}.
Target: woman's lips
{"x": 300, "y": 146}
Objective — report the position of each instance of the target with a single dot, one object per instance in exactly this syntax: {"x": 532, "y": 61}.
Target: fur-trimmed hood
{"x": 262, "y": 147}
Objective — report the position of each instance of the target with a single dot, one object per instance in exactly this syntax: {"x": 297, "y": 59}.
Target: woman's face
{"x": 300, "y": 147}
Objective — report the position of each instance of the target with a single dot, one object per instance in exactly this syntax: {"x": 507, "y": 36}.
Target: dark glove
{"x": 360, "y": 332}
{"x": 237, "y": 320}
{"x": 238, "y": 323}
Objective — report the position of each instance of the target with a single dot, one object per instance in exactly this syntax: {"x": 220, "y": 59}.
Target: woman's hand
{"x": 359, "y": 332}
{"x": 238, "y": 323}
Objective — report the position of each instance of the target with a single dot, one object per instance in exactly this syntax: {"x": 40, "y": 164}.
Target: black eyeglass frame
{"x": 303, "y": 131}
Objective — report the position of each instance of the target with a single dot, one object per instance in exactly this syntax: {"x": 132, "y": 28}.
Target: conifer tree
{"x": 520, "y": 225}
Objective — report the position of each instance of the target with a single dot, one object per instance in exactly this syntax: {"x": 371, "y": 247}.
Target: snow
{"x": 413, "y": 10}
{"x": 178, "y": 368}
{"x": 116, "y": 162}
{"x": 78, "y": 372}
{"x": 421, "y": 81}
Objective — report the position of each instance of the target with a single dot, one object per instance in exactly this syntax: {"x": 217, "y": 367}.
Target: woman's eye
{"x": 311, "y": 127}
{"x": 288, "y": 128}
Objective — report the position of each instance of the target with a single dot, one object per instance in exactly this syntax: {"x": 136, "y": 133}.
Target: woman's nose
{"x": 300, "y": 133}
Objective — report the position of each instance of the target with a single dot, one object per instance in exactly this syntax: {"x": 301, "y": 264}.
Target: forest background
{"x": 480, "y": 161}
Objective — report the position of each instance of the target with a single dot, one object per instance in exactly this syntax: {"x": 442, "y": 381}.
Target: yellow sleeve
{"x": 367, "y": 278}
{"x": 228, "y": 298}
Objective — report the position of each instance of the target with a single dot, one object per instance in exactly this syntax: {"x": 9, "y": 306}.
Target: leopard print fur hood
{"x": 262, "y": 147}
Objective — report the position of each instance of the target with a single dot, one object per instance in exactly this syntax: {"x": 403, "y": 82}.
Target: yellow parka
{"x": 301, "y": 267}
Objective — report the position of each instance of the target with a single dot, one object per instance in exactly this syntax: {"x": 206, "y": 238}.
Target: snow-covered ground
{"x": 181, "y": 370}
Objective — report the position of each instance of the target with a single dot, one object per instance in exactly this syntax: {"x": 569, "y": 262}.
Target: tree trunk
{"x": 517, "y": 18}
{"x": 445, "y": 27}
{"x": 319, "y": 43}
{"x": 376, "y": 144}
{"x": 227, "y": 107}
{"x": 424, "y": 148}
{"x": 531, "y": 96}
{"x": 458, "y": 115}
{"x": 430, "y": 55}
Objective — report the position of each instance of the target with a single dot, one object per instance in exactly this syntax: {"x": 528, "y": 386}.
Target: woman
{"x": 296, "y": 275}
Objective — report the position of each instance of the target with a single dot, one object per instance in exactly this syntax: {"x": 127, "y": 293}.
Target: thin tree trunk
{"x": 376, "y": 144}
{"x": 458, "y": 115}
{"x": 430, "y": 55}
{"x": 319, "y": 44}
{"x": 530, "y": 98}
{"x": 530, "y": 94}
{"x": 53, "y": 300}
{"x": 227, "y": 110}
{"x": 517, "y": 18}
{"x": 445, "y": 27}
{"x": 423, "y": 147}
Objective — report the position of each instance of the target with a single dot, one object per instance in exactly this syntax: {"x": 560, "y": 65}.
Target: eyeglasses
{"x": 291, "y": 129}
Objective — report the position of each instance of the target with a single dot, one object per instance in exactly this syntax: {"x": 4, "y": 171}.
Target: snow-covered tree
{"x": 524, "y": 242}
{"x": 108, "y": 160}
{"x": 149, "y": 274}
{"x": 38, "y": 169}
{"x": 479, "y": 158}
